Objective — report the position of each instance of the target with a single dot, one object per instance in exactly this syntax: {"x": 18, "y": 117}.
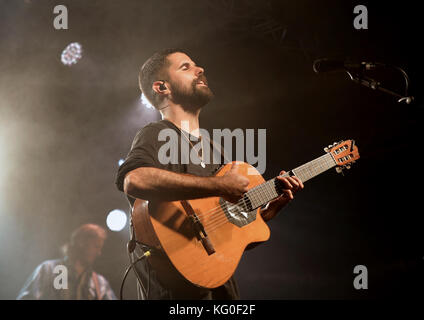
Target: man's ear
{"x": 160, "y": 87}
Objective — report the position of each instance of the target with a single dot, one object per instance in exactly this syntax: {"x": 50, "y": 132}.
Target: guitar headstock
{"x": 344, "y": 153}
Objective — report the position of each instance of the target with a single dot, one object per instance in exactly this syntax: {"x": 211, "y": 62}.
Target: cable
{"x": 131, "y": 246}
{"x": 148, "y": 281}
{"x": 123, "y": 281}
{"x": 405, "y": 75}
{"x": 132, "y": 265}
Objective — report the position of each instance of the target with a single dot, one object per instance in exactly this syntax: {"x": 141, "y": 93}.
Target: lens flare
{"x": 116, "y": 220}
{"x": 72, "y": 54}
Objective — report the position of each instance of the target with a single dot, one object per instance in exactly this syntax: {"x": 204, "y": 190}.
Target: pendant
{"x": 202, "y": 164}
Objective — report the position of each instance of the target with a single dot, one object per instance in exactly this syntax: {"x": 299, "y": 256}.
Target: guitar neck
{"x": 271, "y": 189}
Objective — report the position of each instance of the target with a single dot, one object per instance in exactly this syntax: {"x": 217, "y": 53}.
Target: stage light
{"x": 120, "y": 162}
{"x": 72, "y": 54}
{"x": 146, "y": 102}
{"x": 116, "y": 220}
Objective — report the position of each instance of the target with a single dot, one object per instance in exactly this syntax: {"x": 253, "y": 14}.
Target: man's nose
{"x": 199, "y": 71}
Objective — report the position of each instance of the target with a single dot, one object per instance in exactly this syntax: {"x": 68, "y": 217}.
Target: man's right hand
{"x": 232, "y": 184}
{"x": 150, "y": 183}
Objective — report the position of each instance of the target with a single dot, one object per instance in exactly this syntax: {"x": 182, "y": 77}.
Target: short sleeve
{"x": 143, "y": 153}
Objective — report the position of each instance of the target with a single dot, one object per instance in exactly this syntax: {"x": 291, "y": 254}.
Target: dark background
{"x": 63, "y": 130}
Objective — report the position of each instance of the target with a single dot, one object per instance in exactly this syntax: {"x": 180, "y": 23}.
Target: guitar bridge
{"x": 201, "y": 234}
{"x": 198, "y": 228}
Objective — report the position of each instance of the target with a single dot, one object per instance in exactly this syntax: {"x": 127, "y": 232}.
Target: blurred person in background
{"x": 72, "y": 277}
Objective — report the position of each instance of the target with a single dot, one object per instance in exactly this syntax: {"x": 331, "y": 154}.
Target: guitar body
{"x": 168, "y": 225}
{"x": 201, "y": 241}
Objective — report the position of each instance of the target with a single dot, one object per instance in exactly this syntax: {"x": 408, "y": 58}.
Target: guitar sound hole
{"x": 237, "y": 214}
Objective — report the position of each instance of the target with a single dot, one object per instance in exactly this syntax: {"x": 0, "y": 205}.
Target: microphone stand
{"x": 375, "y": 85}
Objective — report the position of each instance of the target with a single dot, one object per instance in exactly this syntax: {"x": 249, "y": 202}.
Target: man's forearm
{"x": 153, "y": 183}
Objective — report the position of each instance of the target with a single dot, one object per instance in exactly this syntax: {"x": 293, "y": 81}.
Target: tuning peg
{"x": 339, "y": 170}
{"x": 326, "y": 149}
{"x": 348, "y": 167}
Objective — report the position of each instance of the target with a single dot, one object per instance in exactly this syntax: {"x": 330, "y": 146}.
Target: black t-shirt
{"x": 145, "y": 152}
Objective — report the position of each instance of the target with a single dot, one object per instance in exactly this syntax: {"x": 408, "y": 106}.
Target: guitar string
{"x": 318, "y": 171}
{"x": 319, "y": 168}
{"x": 263, "y": 195}
{"x": 211, "y": 211}
{"x": 209, "y": 228}
{"x": 217, "y": 218}
{"x": 264, "y": 191}
{"x": 217, "y": 209}
{"x": 222, "y": 219}
{"x": 258, "y": 187}
{"x": 217, "y": 223}
{"x": 242, "y": 201}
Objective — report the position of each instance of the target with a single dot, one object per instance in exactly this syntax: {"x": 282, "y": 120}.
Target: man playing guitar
{"x": 178, "y": 88}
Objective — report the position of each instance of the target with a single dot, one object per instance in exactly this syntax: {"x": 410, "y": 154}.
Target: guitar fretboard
{"x": 271, "y": 189}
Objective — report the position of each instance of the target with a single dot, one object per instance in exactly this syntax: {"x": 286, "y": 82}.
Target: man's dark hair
{"x": 154, "y": 69}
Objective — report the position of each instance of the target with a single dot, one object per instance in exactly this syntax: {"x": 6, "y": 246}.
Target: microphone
{"x": 332, "y": 65}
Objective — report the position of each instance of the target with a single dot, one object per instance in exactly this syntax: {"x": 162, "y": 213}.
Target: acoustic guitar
{"x": 205, "y": 238}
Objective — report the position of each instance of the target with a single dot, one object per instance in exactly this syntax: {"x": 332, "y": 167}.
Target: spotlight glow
{"x": 116, "y": 220}
{"x": 146, "y": 102}
{"x": 120, "y": 162}
{"x": 72, "y": 54}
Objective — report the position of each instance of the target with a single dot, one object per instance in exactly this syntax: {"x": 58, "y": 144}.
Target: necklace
{"x": 202, "y": 163}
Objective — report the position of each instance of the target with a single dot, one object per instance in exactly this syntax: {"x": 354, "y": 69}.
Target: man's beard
{"x": 193, "y": 98}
